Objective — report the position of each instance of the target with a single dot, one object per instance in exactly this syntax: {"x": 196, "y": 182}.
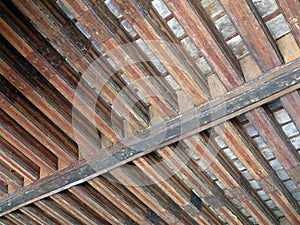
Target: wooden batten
{"x": 149, "y": 112}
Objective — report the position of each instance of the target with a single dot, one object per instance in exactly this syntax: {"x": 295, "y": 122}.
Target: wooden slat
{"x": 54, "y": 77}
{"x": 253, "y": 165}
{"x": 271, "y": 83}
{"x": 291, "y": 9}
{"x": 62, "y": 86}
{"x": 38, "y": 133}
{"x": 18, "y": 162}
{"x": 135, "y": 74}
{"x": 162, "y": 51}
{"x": 53, "y": 212}
{"x": 262, "y": 123}
{"x": 292, "y": 105}
{"x": 217, "y": 201}
{"x": 94, "y": 206}
{"x": 73, "y": 210}
{"x": 21, "y": 218}
{"x": 170, "y": 190}
{"x": 14, "y": 141}
{"x": 252, "y": 33}
{"x": 227, "y": 179}
{"x": 205, "y": 42}
{"x": 166, "y": 215}
{"x": 118, "y": 202}
{"x": 38, "y": 215}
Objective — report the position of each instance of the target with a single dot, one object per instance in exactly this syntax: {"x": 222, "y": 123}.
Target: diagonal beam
{"x": 271, "y": 85}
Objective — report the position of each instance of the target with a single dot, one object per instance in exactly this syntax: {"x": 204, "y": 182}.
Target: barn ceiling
{"x": 150, "y": 112}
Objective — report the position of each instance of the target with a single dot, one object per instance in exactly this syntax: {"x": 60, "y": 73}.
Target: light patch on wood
{"x": 250, "y": 68}
{"x": 216, "y": 87}
{"x": 225, "y": 26}
{"x": 43, "y": 172}
{"x": 184, "y": 101}
{"x": 238, "y": 47}
{"x": 265, "y": 7}
{"x": 278, "y": 26}
{"x": 212, "y": 7}
{"x": 288, "y": 47}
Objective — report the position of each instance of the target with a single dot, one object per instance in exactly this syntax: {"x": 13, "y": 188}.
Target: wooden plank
{"x": 284, "y": 152}
{"x": 73, "y": 210}
{"x": 138, "y": 191}
{"x": 205, "y": 42}
{"x": 227, "y": 178}
{"x": 292, "y": 105}
{"x": 291, "y": 9}
{"x": 156, "y": 42}
{"x": 118, "y": 202}
{"x": 252, "y": 33}
{"x": 53, "y": 212}
{"x": 138, "y": 78}
{"x": 55, "y": 79}
{"x": 270, "y": 135}
{"x": 36, "y": 215}
{"x": 101, "y": 210}
{"x": 207, "y": 192}
{"x": 38, "y": 133}
{"x": 170, "y": 190}
{"x": 270, "y": 86}
{"x": 257, "y": 167}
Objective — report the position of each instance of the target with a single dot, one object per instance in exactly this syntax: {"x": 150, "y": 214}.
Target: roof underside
{"x": 150, "y": 112}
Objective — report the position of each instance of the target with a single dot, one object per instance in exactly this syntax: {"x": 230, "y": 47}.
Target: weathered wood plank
{"x": 271, "y": 136}
{"x": 162, "y": 50}
{"x": 170, "y": 190}
{"x": 202, "y": 38}
{"x": 227, "y": 178}
{"x": 53, "y": 212}
{"x": 54, "y": 77}
{"x": 254, "y": 163}
{"x": 118, "y": 201}
{"x": 199, "y": 184}
{"x": 252, "y": 33}
{"x": 138, "y": 191}
{"x": 291, "y": 9}
{"x": 272, "y": 85}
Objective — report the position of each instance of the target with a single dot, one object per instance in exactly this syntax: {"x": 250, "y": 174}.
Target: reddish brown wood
{"x": 291, "y": 9}
{"x": 205, "y": 42}
{"x": 252, "y": 34}
{"x": 292, "y": 104}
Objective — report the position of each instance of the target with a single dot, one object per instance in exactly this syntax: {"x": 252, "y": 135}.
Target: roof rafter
{"x": 272, "y": 85}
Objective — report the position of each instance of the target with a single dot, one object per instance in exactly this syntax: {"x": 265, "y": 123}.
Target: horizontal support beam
{"x": 272, "y": 85}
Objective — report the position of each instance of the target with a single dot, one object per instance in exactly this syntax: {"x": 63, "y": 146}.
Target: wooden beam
{"x": 252, "y": 33}
{"x": 291, "y": 9}
{"x": 270, "y": 86}
{"x": 204, "y": 40}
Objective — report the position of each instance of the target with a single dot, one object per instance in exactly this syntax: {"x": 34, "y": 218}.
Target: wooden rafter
{"x": 275, "y": 84}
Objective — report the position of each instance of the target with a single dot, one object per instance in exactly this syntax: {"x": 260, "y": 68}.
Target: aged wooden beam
{"x": 205, "y": 41}
{"x": 258, "y": 168}
{"x": 54, "y": 77}
{"x": 255, "y": 93}
{"x": 53, "y": 212}
{"x": 154, "y": 204}
{"x": 291, "y": 9}
{"x": 169, "y": 190}
{"x": 192, "y": 175}
{"x": 165, "y": 53}
{"x": 252, "y": 33}
{"x": 227, "y": 177}
{"x": 115, "y": 198}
